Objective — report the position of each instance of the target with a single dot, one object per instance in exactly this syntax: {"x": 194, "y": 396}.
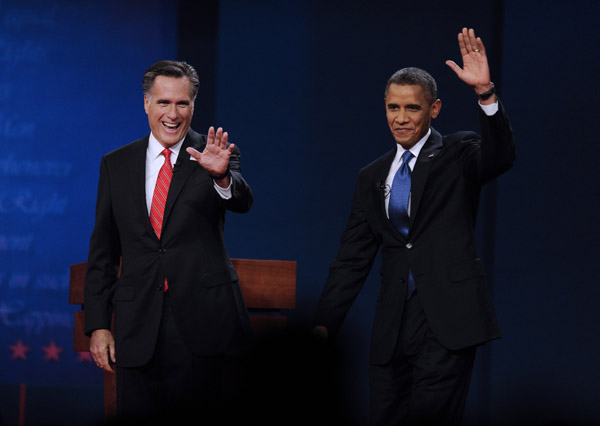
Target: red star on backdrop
{"x": 19, "y": 351}
{"x": 52, "y": 352}
{"x": 84, "y": 357}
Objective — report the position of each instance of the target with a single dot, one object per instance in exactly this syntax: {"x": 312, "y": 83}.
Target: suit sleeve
{"x": 103, "y": 261}
{"x": 349, "y": 270}
{"x": 241, "y": 195}
{"x": 487, "y": 158}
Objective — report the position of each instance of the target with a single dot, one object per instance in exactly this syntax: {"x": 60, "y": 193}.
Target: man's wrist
{"x": 221, "y": 176}
{"x": 484, "y": 93}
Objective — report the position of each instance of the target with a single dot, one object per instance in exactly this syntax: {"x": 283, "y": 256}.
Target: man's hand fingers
{"x": 111, "y": 351}
{"x": 106, "y": 366}
{"x": 100, "y": 357}
{"x": 195, "y": 154}
{"x": 462, "y": 45}
{"x": 454, "y": 67}
{"x": 469, "y": 42}
{"x": 224, "y": 140}
{"x": 210, "y": 138}
{"x": 102, "y": 345}
{"x": 218, "y": 136}
{"x": 480, "y": 46}
{"x": 470, "y": 39}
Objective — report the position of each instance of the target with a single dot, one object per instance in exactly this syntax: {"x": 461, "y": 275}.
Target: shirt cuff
{"x": 224, "y": 193}
{"x": 489, "y": 109}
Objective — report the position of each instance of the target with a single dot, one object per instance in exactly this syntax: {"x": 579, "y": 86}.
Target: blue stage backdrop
{"x": 70, "y": 90}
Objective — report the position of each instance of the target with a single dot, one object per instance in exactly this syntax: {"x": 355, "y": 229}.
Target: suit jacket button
{"x": 409, "y": 245}
{"x": 162, "y": 251}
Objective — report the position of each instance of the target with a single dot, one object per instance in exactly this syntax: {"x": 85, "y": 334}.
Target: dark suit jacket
{"x": 440, "y": 247}
{"x": 208, "y": 304}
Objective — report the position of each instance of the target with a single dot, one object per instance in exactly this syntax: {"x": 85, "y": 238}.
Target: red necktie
{"x": 159, "y": 199}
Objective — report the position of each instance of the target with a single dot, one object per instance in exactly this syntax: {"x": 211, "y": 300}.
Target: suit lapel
{"x": 183, "y": 169}
{"x": 381, "y": 192}
{"x": 137, "y": 170}
{"x": 421, "y": 170}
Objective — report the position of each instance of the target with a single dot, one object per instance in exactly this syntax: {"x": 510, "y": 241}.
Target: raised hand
{"x": 475, "y": 71}
{"x": 215, "y": 156}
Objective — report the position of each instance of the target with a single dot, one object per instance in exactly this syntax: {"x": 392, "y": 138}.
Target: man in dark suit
{"x": 160, "y": 265}
{"x": 418, "y": 204}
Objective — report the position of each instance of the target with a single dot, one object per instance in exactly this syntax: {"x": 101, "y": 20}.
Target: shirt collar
{"x": 155, "y": 148}
{"x": 416, "y": 148}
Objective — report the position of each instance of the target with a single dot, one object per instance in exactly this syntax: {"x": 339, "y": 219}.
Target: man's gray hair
{"x": 173, "y": 69}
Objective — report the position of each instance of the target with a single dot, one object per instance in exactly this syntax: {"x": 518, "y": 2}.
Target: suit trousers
{"x": 424, "y": 383}
{"x": 173, "y": 383}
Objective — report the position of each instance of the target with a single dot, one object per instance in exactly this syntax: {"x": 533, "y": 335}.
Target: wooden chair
{"x": 269, "y": 287}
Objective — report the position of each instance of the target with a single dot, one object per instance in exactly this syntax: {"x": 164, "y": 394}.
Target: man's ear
{"x": 146, "y": 103}
{"x": 436, "y": 108}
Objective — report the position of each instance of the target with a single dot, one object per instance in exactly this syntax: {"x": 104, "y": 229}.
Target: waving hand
{"x": 475, "y": 70}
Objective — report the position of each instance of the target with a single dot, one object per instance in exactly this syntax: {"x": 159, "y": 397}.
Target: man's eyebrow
{"x": 167, "y": 101}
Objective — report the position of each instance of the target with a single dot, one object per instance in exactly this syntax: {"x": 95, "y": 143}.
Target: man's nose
{"x": 401, "y": 116}
{"x": 172, "y": 111}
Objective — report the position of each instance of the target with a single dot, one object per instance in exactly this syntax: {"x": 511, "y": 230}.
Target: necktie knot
{"x": 166, "y": 152}
{"x": 406, "y": 157}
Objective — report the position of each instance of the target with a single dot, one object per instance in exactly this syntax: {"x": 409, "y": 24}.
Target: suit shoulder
{"x": 374, "y": 167}
{"x": 195, "y": 139}
{"x": 125, "y": 150}
{"x": 460, "y": 136}
{"x": 460, "y": 140}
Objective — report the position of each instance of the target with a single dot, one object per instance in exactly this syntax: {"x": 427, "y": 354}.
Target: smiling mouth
{"x": 171, "y": 126}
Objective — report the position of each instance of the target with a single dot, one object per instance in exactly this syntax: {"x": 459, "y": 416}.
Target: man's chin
{"x": 170, "y": 140}
{"x": 406, "y": 144}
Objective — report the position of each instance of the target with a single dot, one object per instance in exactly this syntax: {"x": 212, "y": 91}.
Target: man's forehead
{"x": 166, "y": 82}
{"x": 176, "y": 89}
{"x": 405, "y": 93}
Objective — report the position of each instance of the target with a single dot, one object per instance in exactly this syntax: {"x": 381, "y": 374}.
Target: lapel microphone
{"x": 182, "y": 153}
{"x": 382, "y": 187}
{"x": 177, "y": 163}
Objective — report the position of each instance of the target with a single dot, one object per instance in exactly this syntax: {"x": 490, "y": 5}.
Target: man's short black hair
{"x": 412, "y": 76}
